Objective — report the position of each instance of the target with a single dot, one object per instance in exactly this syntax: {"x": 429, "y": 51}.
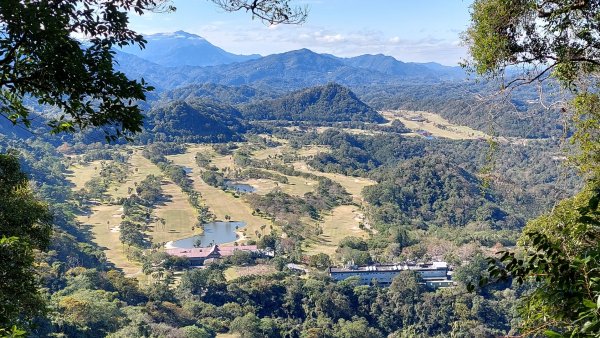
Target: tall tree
{"x": 560, "y": 251}
{"x": 24, "y": 227}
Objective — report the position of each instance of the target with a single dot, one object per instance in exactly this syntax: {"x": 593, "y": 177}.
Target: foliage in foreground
{"x": 561, "y": 250}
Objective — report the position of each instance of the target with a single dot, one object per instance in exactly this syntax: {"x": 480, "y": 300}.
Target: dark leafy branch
{"x": 269, "y": 11}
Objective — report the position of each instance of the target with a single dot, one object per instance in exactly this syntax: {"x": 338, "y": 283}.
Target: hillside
{"x": 329, "y": 103}
{"x": 231, "y": 95}
{"x": 281, "y": 72}
{"x": 472, "y": 104}
{"x": 388, "y": 65}
{"x": 432, "y": 191}
{"x": 193, "y": 121}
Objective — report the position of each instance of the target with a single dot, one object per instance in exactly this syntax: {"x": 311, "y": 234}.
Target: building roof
{"x": 213, "y": 251}
{"x": 393, "y": 267}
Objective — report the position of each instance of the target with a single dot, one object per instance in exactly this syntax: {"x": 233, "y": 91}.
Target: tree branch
{"x": 269, "y": 11}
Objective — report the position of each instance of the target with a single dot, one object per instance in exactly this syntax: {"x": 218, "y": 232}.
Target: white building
{"x": 433, "y": 275}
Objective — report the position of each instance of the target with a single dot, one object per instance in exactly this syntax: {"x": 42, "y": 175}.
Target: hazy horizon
{"x": 427, "y": 31}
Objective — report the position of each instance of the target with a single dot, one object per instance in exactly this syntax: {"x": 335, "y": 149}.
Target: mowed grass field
{"x": 104, "y": 218}
{"x": 343, "y": 221}
{"x": 354, "y": 185}
{"x": 103, "y": 221}
{"x": 434, "y": 124}
{"x": 180, "y": 217}
{"x": 83, "y": 173}
{"x": 220, "y": 202}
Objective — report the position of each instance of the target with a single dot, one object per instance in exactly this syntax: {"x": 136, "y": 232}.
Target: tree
{"x": 247, "y": 326}
{"x": 320, "y": 261}
{"x": 24, "y": 226}
{"x": 559, "y": 251}
{"x": 42, "y": 58}
{"x": 269, "y": 11}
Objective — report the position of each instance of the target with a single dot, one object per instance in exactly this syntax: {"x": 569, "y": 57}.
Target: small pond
{"x": 240, "y": 187}
{"x": 214, "y": 233}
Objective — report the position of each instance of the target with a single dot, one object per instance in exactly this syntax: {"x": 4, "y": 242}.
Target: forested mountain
{"x": 381, "y": 81}
{"x": 184, "y": 49}
{"x": 8, "y": 129}
{"x": 388, "y": 65}
{"x": 475, "y": 105}
{"x": 285, "y": 71}
{"x": 329, "y": 103}
{"x": 231, "y": 95}
{"x": 161, "y": 78}
{"x": 193, "y": 121}
{"x": 431, "y": 191}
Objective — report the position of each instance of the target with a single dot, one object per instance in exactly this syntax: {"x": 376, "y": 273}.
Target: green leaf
{"x": 589, "y": 304}
{"x": 552, "y": 334}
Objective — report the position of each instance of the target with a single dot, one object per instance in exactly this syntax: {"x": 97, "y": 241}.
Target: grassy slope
{"x": 104, "y": 216}
{"x": 180, "y": 217}
{"x": 221, "y": 203}
{"x": 435, "y": 124}
{"x": 354, "y": 185}
{"x": 343, "y": 221}
{"x": 83, "y": 173}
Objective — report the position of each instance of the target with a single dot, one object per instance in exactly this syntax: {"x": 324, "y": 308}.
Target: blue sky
{"x": 409, "y": 30}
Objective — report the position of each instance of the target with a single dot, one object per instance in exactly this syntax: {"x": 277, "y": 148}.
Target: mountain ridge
{"x": 184, "y": 49}
{"x": 286, "y": 71}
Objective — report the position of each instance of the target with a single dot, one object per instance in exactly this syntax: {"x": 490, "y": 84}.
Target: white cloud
{"x": 332, "y": 38}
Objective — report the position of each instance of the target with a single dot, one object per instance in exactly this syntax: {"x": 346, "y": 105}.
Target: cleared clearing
{"x": 221, "y": 203}
{"x": 221, "y": 161}
{"x": 342, "y": 222}
{"x": 313, "y": 150}
{"x": 264, "y": 154}
{"x": 434, "y": 124}
{"x": 179, "y": 215}
{"x": 80, "y": 174}
{"x": 297, "y": 186}
{"x": 353, "y": 131}
{"x": 354, "y": 185}
{"x": 306, "y": 151}
{"x": 103, "y": 221}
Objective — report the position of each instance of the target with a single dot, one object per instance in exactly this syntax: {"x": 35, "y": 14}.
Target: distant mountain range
{"x": 172, "y": 60}
{"x": 184, "y": 49}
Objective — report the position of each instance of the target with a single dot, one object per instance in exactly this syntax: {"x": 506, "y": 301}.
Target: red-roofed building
{"x": 197, "y": 256}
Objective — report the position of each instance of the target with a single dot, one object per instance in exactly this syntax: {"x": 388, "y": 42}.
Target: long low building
{"x": 198, "y": 256}
{"x": 433, "y": 275}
